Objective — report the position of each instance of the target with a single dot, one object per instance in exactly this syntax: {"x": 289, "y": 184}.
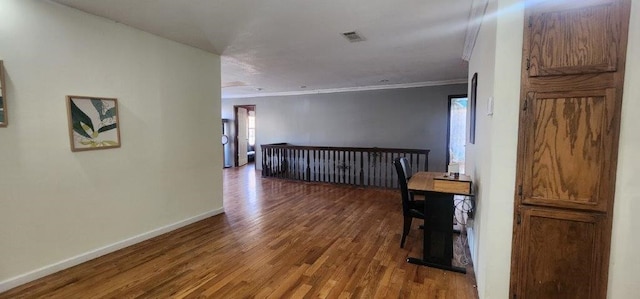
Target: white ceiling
{"x": 271, "y": 47}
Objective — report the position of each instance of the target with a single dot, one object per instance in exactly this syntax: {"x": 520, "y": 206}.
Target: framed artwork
{"x": 473, "y": 108}
{"x": 3, "y": 98}
{"x": 93, "y": 123}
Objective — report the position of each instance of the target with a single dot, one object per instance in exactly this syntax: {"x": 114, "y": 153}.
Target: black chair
{"x": 410, "y": 208}
{"x": 406, "y": 166}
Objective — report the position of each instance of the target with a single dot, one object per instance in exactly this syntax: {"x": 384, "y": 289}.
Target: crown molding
{"x": 349, "y": 89}
{"x": 478, "y": 10}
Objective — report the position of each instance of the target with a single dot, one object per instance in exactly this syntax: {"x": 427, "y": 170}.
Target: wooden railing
{"x": 340, "y": 165}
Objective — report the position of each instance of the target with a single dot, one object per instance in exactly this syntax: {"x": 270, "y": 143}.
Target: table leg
{"x": 437, "y": 248}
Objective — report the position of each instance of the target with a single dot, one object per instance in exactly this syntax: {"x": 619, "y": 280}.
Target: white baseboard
{"x": 471, "y": 241}
{"x": 81, "y": 258}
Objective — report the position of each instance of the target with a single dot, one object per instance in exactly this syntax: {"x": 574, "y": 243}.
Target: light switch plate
{"x": 490, "y": 106}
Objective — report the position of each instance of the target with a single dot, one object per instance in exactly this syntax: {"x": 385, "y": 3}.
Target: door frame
{"x": 235, "y": 130}
{"x": 448, "y": 156}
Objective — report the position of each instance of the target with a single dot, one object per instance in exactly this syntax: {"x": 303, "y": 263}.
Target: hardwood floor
{"x": 277, "y": 239}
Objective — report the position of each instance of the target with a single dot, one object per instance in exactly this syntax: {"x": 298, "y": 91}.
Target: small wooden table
{"x": 437, "y": 248}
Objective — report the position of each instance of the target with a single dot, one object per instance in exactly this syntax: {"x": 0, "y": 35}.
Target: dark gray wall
{"x": 399, "y": 118}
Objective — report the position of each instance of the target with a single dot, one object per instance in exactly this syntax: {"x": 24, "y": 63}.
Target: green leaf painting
{"x": 107, "y": 128}
{"x": 97, "y": 103}
{"x": 78, "y": 117}
{"x": 93, "y": 123}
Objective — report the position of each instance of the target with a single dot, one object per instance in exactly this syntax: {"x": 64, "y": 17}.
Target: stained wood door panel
{"x": 571, "y": 93}
{"x": 573, "y": 82}
{"x": 565, "y": 255}
{"x": 574, "y": 41}
{"x": 566, "y": 148}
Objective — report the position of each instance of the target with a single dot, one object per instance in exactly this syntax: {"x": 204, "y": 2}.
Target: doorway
{"x": 457, "y": 130}
{"x": 245, "y": 134}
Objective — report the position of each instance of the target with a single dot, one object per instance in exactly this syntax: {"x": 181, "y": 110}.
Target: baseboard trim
{"x": 81, "y": 258}
{"x": 471, "y": 242}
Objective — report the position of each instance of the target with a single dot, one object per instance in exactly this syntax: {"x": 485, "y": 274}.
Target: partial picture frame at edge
{"x": 472, "y": 108}
{"x": 4, "y": 121}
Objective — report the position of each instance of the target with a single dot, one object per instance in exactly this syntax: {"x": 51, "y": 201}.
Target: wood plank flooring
{"x": 277, "y": 239}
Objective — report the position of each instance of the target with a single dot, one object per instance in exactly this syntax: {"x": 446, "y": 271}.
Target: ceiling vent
{"x": 353, "y": 36}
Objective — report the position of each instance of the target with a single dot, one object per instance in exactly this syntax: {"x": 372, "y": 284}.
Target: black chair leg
{"x": 405, "y": 230}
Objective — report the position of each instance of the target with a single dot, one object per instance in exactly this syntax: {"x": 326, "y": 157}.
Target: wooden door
{"x": 573, "y": 70}
{"x": 241, "y": 118}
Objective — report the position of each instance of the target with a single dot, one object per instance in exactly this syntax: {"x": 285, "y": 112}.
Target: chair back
{"x": 406, "y": 166}
{"x": 402, "y": 183}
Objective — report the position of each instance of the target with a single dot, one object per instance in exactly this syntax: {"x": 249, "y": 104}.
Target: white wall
{"x": 58, "y": 205}
{"x": 396, "y": 118}
{"x": 478, "y": 155}
{"x": 494, "y": 164}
